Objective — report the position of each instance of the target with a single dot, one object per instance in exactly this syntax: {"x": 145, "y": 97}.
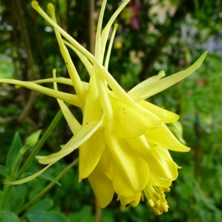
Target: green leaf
{"x": 41, "y": 212}
{"x": 14, "y": 150}
{"x": 15, "y": 198}
{"x": 8, "y": 216}
{"x": 51, "y": 216}
{"x": 44, "y": 204}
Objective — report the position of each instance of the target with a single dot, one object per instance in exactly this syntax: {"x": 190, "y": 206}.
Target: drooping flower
{"x": 123, "y": 140}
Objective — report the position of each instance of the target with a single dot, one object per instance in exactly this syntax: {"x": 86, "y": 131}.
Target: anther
{"x": 150, "y": 203}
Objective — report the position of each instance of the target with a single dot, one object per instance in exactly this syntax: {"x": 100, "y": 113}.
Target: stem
{"x": 197, "y": 150}
{"x": 91, "y": 25}
{"x": 48, "y": 187}
{"x": 98, "y": 212}
{"x": 40, "y": 143}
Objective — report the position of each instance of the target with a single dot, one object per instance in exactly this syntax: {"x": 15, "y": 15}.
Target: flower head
{"x": 123, "y": 140}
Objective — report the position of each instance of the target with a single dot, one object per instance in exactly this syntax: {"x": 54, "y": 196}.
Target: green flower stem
{"x": 48, "y": 187}
{"x": 40, "y": 143}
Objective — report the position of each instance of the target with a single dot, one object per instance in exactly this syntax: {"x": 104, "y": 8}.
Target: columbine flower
{"x": 123, "y": 140}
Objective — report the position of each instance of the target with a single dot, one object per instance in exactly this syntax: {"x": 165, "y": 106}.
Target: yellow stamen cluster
{"x": 156, "y": 199}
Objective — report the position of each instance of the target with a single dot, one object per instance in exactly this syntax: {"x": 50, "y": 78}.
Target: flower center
{"x": 155, "y": 197}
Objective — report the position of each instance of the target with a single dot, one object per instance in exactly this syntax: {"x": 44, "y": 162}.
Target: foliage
{"x": 156, "y": 35}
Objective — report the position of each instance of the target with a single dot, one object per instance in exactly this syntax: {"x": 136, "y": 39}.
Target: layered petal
{"x": 138, "y": 91}
{"x": 165, "y": 115}
{"x": 102, "y": 186}
{"x": 162, "y": 136}
{"x": 92, "y": 109}
{"x": 132, "y": 200}
{"x": 162, "y": 169}
{"x": 130, "y": 172}
{"x": 90, "y": 153}
{"x": 132, "y": 121}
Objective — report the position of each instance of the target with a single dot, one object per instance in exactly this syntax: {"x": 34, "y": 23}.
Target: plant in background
{"x": 123, "y": 140}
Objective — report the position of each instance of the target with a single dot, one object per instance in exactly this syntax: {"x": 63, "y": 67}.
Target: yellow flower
{"x": 124, "y": 140}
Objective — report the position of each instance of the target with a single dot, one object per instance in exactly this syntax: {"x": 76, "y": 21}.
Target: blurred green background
{"x": 153, "y": 35}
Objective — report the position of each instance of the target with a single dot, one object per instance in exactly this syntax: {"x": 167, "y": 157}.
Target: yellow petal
{"x": 177, "y": 129}
{"x": 92, "y": 108}
{"x": 91, "y": 150}
{"x": 106, "y": 163}
{"x": 143, "y": 92}
{"x": 103, "y": 93}
{"x": 102, "y": 187}
{"x": 163, "y": 170}
{"x": 165, "y": 115}
{"x": 132, "y": 200}
{"x": 162, "y": 136}
{"x": 90, "y": 153}
{"x": 130, "y": 171}
{"x": 137, "y": 92}
{"x": 132, "y": 121}
{"x": 85, "y": 132}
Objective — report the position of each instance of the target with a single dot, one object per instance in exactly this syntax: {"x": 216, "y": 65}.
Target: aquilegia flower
{"x": 123, "y": 140}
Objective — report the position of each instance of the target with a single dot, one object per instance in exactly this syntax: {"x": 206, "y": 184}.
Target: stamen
{"x": 150, "y": 203}
{"x": 156, "y": 198}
